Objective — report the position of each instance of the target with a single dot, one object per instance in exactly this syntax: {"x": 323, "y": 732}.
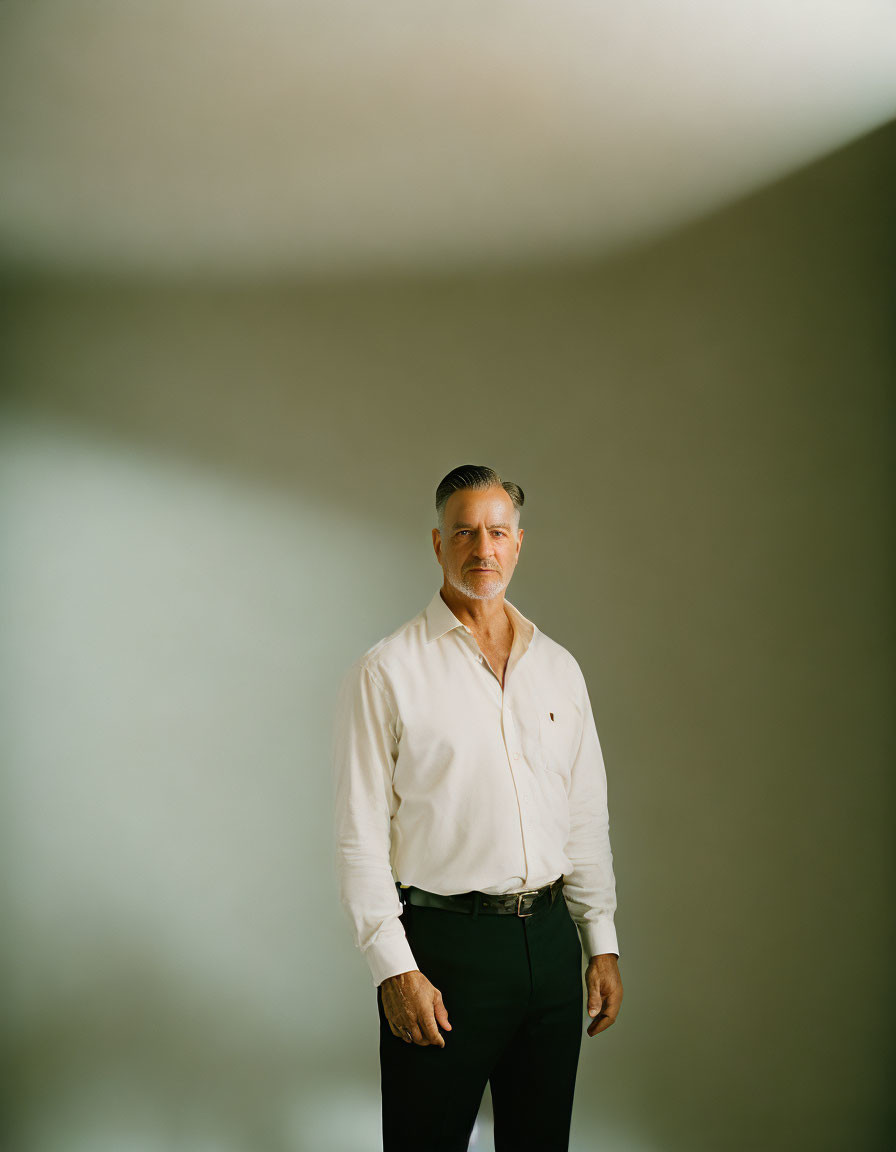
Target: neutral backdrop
{"x": 216, "y": 494}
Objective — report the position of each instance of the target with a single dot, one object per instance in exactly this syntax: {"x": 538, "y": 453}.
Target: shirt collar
{"x": 441, "y": 620}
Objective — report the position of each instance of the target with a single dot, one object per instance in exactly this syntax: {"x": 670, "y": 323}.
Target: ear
{"x": 519, "y": 541}
{"x": 437, "y": 544}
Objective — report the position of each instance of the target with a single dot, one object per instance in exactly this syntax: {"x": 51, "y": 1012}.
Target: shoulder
{"x": 369, "y": 678}
{"x": 555, "y": 656}
{"x": 558, "y": 665}
{"x": 393, "y": 650}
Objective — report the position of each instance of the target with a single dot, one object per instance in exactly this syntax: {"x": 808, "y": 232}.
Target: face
{"x": 479, "y": 544}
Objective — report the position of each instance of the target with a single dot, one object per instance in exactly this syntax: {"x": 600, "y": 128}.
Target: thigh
{"x": 431, "y": 1095}
{"x": 533, "y": 1083}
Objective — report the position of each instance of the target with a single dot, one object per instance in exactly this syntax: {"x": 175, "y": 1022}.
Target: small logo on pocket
{"x": 551, "y": 714}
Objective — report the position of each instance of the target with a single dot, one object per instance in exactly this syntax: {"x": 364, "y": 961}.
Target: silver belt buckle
{"x": 519, "y": 902}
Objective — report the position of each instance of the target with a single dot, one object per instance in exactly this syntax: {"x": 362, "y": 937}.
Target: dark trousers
{"x": 513, "y": 991}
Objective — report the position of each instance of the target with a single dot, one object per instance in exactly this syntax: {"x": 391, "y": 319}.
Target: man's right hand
{"x": 414, "y": 1009}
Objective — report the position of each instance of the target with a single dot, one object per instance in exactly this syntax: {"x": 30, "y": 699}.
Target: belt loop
{"x": 475, "y": 905}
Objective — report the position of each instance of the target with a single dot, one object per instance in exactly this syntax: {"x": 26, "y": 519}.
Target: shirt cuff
{"x": 599, "y": 938}
{"x": 387, "y": 958}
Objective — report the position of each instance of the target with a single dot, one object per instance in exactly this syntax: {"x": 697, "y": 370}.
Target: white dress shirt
{"x": 446, "y": 781}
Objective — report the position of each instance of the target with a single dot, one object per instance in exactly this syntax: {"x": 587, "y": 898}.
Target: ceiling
{"x": 300, "y": 138}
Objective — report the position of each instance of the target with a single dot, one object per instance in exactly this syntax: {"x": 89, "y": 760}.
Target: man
{"x": 473, "y": 847}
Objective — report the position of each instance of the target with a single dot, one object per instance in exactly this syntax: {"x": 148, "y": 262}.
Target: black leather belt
{"x": 507, "y": 904}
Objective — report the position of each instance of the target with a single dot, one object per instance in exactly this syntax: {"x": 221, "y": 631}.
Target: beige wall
{"x": 216, "y": 495}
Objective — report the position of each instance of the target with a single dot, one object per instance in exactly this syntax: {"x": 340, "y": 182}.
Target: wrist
{"x": 398, "y": 976}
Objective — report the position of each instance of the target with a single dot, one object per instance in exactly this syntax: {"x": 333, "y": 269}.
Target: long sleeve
{"x": 590, "y": 888}
{"x": 364, "y": 752}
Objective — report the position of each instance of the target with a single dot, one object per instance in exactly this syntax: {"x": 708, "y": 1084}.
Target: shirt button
{"x": 479, "y": 658}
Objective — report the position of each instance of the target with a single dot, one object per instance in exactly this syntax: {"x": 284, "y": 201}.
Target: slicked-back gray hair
{"x": 474, "y": 476}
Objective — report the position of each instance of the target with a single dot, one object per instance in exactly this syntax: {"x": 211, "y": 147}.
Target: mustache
{"x": 490, "y": 567}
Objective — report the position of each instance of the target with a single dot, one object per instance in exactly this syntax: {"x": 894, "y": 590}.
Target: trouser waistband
{"x": 505, "y": 904}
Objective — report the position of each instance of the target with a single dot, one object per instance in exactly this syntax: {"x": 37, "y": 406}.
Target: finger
{"x": 600, "y": 1025}
{"x": 430, "y": 1031}
{"x": 405, "y": 1029}
{"x": 417, "y": 1036}
{"x": 441, "y": 1012}
{"x": 608, "y": 1016}
{"x": 397, "y": 1030}
{"x": 612, "y": 1002}
{"x": 595, "y": 1000}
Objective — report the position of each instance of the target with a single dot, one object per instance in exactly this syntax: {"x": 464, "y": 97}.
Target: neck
{"x": 487, "y": 617}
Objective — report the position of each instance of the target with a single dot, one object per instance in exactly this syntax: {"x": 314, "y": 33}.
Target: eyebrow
{"x": 461, "y": 524}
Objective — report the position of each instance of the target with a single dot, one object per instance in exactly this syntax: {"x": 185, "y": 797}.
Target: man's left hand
{"x": 604, "y": 986}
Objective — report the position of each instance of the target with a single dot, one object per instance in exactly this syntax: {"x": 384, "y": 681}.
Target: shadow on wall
{"x": 139, "y": 1054}
{"x": 241, "y": 502}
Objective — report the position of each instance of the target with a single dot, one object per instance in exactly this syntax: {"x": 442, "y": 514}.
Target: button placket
{"x": 513, "y": 749}
{"x": 510, "y": 731}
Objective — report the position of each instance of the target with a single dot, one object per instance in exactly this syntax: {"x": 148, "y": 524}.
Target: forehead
{"x": 474, "y": 505}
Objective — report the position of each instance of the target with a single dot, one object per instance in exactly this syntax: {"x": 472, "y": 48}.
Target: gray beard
{"x": 460, "y": 585}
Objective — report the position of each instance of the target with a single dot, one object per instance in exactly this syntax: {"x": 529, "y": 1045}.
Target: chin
{"x": 475, "y": 593}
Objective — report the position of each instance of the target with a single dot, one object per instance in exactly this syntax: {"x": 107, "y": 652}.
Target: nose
{"x": 483, "y": 545}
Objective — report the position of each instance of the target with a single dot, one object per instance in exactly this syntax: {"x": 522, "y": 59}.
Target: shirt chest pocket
{"x": 558, "y": 737}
